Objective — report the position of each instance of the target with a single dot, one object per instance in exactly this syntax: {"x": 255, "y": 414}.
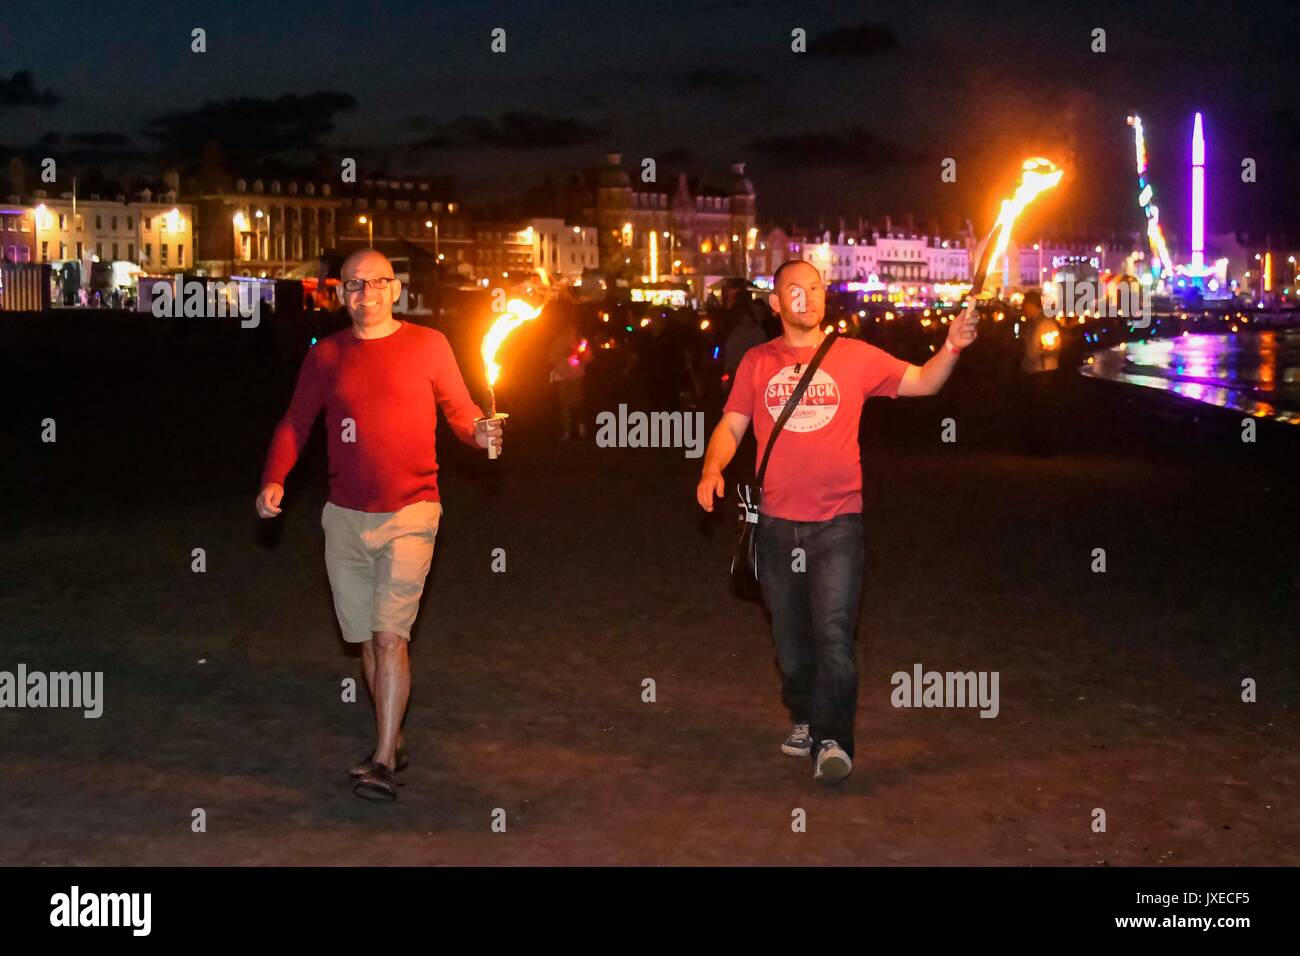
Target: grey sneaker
{"x": 799, "y": 743}
{"x": 833, "y": 764}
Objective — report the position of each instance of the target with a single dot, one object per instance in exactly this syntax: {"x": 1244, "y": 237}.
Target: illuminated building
{"x": 17, "y": 229}
{"x": 273, "y": 228}
{"x": 406, "y": 218}
{"x": 854, "y": 256}
{"x": 500, "y": 250}
{"x": 701, "y": 234}
{"x": 564, "y": 251}
{"x": 153, "y": 230}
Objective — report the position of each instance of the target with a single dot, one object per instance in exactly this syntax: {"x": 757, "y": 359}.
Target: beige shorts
{"x": 377, "y": 563}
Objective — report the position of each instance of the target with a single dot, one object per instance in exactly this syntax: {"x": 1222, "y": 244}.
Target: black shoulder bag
{"x": 744, "y": 566}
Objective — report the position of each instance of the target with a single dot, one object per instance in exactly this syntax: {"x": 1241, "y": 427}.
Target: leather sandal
{"x": 361, "y": 769}
{"x": 378, "y": 783}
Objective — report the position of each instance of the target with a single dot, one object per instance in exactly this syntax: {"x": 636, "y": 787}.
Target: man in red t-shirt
{"x": 379, "y": 383}
{"x": 809, "y": 537}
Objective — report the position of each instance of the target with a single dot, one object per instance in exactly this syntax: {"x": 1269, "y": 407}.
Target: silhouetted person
{"x": 1040, "y": 361}
{"x": 568, "y": 356}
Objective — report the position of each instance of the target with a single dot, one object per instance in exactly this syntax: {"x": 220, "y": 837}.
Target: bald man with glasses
{"x": 379, "y": 383}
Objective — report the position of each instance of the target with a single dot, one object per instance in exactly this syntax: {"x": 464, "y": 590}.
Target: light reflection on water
{"x": 1254, "y": 372}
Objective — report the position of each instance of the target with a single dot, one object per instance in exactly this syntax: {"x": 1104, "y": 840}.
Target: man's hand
{"x": 963, "y": 329}
{"x": 268, "y": 502}
{"x": 487, "y": 431}
{"x": 711, "y": 483}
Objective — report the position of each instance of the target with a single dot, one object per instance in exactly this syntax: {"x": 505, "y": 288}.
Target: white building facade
{"x": 158, "y": 235}
{"x": 564, "y": 251}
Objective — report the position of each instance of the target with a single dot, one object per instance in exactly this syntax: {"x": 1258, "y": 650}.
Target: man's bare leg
{"x": 387, "y": 667}
{"x": 368, "y": 666}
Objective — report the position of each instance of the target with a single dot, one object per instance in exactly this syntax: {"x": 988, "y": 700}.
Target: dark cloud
{"x": 20, "y": 90}
{"x": 250, "y": 128}
{"x": 86, "y": 148}
{"x": 856, "y": 148}
{"x": 104, "y": 138}
{"x": 512, "y": 131}
{"x": 862, "y": 42}
{"x": 717, "y": 80}
{"x": 675, "y": 157}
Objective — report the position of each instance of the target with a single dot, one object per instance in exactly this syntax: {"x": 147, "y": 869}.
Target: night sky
{"x": 857, "y": 126}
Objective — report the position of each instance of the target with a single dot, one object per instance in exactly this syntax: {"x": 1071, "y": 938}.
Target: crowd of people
{"x": 685, "y": 359}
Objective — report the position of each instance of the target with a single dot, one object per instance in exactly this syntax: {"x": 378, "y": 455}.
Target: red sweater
{"x": 389, "y": 388}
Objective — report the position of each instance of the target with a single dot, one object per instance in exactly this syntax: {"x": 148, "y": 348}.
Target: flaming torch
{"x": 516, "y": 314}
{"x": 1037, "y": 175}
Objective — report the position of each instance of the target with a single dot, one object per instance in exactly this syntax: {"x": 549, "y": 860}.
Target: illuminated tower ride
{"x": 1162, "y": 267}
{"x": 1196, "y": 278}
{"x": 1198, "y": 198}
{"x": 1197, "y": 271}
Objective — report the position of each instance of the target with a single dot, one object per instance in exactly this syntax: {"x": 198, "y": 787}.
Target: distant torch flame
{"x": 517, "y": 313}
{"x": 1037, "y": 175}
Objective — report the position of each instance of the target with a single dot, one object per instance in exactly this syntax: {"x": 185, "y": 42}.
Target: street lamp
{"x": 262, "y": 254}
{"x": 370, "y": 229}
{"x": 437, "y": 212}
{"x": 240, "y": 221}
{"x": 671, "y": 243}
{"x": 42, "y": 220}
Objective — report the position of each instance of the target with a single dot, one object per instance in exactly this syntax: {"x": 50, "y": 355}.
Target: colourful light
{"x": 1162, "y": 264}
{"x": 1198, "y": 195}
{"x": 1140, "y": 143}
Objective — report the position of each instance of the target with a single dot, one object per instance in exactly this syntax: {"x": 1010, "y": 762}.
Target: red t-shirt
{"x": 815, "y": 472}
{"x": 391, "y": 388}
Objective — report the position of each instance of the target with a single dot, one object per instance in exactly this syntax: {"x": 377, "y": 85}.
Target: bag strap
{"x": 790, "y": 404}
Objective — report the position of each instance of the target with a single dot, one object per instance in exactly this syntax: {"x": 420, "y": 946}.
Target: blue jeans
{"x": 814, "y": 618}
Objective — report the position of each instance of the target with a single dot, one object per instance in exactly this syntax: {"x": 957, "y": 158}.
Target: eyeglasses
{"x": 356, "y": 285}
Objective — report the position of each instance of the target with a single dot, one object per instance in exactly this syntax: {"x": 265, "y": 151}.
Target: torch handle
{"x": 983, "y": 254}
{"x": 492, "y": 451}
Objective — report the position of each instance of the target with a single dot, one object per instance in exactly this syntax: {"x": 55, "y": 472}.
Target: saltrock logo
{"x": 208, "y": 299}
{"x": 817, "y": 406}
{"x": 1112, "y": 300}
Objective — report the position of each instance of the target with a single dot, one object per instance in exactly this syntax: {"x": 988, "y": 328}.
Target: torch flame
{"x": 1037, "y": 175}
{"x": 517, "y": 313}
